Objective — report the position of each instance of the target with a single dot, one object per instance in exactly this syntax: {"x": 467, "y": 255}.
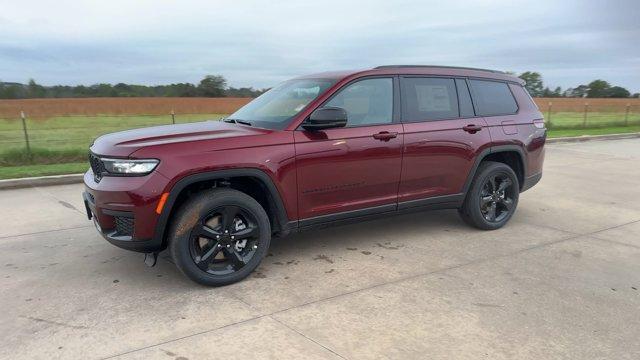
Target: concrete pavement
{"x": 560, "y": 280}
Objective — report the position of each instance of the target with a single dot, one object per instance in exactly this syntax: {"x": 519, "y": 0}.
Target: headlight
{"x": 129, "y": 166}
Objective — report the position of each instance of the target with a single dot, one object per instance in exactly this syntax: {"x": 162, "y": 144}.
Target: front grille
{"x": 96, "y": 166}
{"x": 124, "y": 226}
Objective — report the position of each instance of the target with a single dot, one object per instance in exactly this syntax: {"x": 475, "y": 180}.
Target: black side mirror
{"x": 326, "y": 118}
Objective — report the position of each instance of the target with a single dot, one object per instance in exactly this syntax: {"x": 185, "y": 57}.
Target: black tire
{"x": 481, "y": 202}
{"x": 191, "y": 237}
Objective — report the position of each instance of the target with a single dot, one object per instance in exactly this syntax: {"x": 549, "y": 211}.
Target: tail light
{"x": 538, "y": 123}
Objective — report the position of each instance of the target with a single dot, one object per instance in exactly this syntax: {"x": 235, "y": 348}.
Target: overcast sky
{"x": 264, "y": 42}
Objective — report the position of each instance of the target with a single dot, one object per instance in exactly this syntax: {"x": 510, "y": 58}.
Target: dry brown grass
{"x": 578, "y": 104}
{"x": 47, "y": 108}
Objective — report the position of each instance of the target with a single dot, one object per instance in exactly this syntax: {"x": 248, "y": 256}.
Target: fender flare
{"x": 284, "y": 224}
{"x": 493, "y": 150}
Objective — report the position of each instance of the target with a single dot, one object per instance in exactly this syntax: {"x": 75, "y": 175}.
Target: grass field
{"x": 14, "y": 172}
{"x": 59, "y": 142}
{"x": 576, "y": 120}
{"x": 78, "y": 131}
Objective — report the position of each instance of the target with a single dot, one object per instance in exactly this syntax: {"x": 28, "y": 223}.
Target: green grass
{"x": 59, "y": 145}
{"x": 593, "y": 131}
{"x": 13, "y": 172}
{"x": 78, "y": 131}
{"x": 575, "y": 120}
{"x": 42, "y": 156}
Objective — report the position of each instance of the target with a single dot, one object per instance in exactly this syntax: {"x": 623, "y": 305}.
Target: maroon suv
{"x": 319, "y": 149}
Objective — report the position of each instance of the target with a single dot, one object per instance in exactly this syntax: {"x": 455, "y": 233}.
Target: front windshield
{"x": 274, "y": 109}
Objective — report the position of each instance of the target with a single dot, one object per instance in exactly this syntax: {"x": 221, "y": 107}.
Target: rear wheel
{"x": 219, "y": 236}
{"x": 492, "y": 198}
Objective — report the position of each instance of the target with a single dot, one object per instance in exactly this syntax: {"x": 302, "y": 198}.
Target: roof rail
{"x": 438, "y": 66}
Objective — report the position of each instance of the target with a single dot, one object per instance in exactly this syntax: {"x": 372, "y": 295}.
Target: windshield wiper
{"x": 236, "y": 121}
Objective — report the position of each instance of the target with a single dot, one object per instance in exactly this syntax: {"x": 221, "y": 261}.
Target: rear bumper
{"x": 123, "y": 209}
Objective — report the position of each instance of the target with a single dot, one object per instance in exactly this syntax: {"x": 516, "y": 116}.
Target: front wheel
{"x": 219, "y": 236}
{"x": 492, "y": 198}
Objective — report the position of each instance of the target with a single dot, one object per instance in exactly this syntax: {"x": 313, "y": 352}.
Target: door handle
{"x": 472, "y": 128}
{"x": 385, "y": 135}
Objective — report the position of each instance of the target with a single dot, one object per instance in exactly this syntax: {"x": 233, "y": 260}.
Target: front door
{"x": 353, "y": 170}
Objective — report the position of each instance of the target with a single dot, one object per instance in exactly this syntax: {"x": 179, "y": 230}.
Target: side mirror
{"x": 326, "y": 118}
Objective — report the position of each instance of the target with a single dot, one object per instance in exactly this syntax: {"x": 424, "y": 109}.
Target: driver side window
{"x": 367, "y": 102}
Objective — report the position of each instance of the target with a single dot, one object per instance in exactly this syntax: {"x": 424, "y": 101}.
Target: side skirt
{"x": 349, "y": 217}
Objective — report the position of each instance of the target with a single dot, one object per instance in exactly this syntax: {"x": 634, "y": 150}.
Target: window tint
{"x": 493, "y": 98}
{"x": 466, "y": 107}
{"x": 367, "y": 102}
{"x": 429, "y": 99}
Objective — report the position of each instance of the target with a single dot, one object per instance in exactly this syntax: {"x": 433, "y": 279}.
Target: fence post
{"x": 586, "y": 110}
{"x": 173, "y": 116}
{"x": 549, "y": 114}
{"x": 626, "y": 115}
{"x": 26, "y": 134}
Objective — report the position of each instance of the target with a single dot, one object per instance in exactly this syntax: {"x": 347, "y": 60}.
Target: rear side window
{"x": 429, "y": 99}
{"x": 493, "y": 98}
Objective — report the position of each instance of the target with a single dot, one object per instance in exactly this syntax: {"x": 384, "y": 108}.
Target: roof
{"x": 437, "y": 70}
{"x": 437, "y": 66}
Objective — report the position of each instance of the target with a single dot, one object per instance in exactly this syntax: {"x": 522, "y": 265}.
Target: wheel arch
{"x": 266, "y": 194}
{"x": 511, "y": 155}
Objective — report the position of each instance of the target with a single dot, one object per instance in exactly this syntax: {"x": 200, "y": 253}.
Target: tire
{"x": 204, "y": 252}
{"x": 481, "y": 197}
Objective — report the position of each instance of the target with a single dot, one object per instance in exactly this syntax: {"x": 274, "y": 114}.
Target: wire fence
{"x": 589, "y": 116}
{"x": 24, "y": 140}
{"x": 67, "y": 137}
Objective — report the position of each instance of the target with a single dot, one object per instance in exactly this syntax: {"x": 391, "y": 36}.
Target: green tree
{"x": 212, "y": 86}
{"x": 34, "y": 90}
{"x": 598, "y": 89}
{"x": 579, "y": 91}
{"x": 533, "y": 82}
{"x": 619, "y": 92}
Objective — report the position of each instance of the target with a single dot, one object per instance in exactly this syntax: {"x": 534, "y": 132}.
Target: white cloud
{"x": 258, "y": 43}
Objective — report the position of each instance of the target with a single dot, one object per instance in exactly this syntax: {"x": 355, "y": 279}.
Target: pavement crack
{"x": 184, "y": 337}
{"x": 52, "y": 322}
{"x": 306, "y": 337}
{"x": 615, "y": 242}
{"x": 47, "y": 231}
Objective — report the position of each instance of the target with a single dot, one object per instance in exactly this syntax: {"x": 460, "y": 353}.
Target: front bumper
{"x": 123, "y": 209}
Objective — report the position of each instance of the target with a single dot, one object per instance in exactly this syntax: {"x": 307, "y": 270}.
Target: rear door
{"x": 353, "y": 170}
{"x": 442, "y": 138}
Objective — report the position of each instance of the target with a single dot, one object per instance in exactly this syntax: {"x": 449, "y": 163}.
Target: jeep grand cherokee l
{"x": 316, "y": 150}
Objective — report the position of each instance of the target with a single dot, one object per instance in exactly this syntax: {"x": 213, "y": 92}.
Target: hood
{"x": 124, "y": 143}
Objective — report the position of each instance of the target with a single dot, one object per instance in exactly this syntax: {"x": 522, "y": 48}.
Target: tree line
{"x": 210, "y": 86}
{"x": 595, "y": 89}
{"x": 216, "y": 86}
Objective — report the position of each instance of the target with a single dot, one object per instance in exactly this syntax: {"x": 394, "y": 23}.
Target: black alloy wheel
{"x": 225, "y": 240}
{"x": 496, "y": 197}
{"x": 219, "y": 236}
{"x": 492, "y": 197}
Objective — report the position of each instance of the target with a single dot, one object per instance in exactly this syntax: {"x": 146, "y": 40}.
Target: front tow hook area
{"x": 150, "y": 259}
